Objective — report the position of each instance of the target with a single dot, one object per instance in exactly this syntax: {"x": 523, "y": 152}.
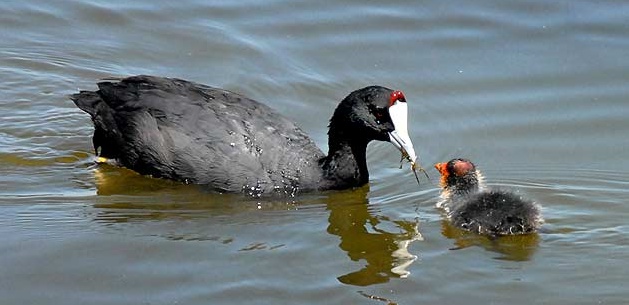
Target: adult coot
{"x": 180, "y": 130}
{"x": 473, "y": 208}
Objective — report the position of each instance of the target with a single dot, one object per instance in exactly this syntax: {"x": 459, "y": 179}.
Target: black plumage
{"x": 185, "y": 131}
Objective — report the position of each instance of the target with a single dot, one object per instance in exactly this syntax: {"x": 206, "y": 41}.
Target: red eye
{"x": 396, "y": 96}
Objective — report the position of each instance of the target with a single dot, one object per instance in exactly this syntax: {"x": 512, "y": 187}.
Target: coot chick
{"x": 193, "y": 133}
{"x": 473, "y": 208}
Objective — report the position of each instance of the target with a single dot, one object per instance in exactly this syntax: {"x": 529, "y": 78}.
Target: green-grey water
{"x": 534, "y": 92}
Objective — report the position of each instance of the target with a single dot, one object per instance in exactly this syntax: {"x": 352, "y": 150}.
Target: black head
{"x": 373, "y": 113}
{"x": 458, "y": 174}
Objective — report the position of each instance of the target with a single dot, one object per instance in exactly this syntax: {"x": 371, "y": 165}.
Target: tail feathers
{"x": 87, "y": 101}
{"x": 107, "y": 137}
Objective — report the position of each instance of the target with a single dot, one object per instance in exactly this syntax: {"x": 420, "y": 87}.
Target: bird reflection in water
{"x": 382, "y": 243}
{"x": 379, "y": 241}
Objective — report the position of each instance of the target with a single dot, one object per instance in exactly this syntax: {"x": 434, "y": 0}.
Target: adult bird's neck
{"x": 346, "y": 164}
